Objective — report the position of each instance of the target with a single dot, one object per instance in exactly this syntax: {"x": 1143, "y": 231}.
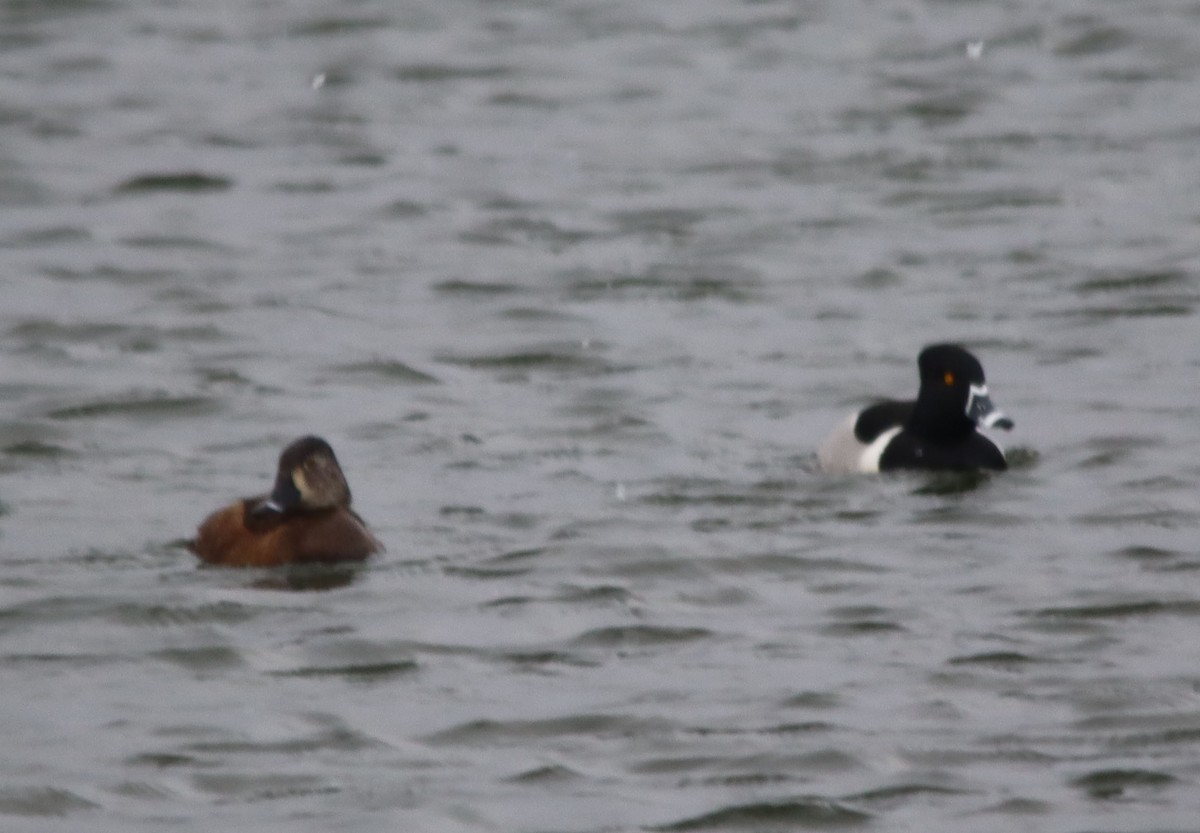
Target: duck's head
{"x": 953, "y": 389}
{"x": 309, "y": 480}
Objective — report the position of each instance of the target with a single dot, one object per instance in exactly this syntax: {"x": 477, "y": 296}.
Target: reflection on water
{"x": 576, "y": 290}
{"x": 308, "y": 578}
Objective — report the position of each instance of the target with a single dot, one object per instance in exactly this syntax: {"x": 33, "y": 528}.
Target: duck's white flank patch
{"x": 843, "y": 453}
{"x": 841, "y": 449}
{"x": 868, "y": 461}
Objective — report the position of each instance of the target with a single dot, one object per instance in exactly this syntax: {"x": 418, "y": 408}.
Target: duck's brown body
{"x": 306, "y": 519}
{"x": 234, "y": 537}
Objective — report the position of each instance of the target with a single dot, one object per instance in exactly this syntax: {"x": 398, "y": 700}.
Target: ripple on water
{"x": 962, "y": 203}
{"x": 1146, "y": 554}
{"x": 204, "y": 660}
{"x": 1146, "y": 308}
{"x": 1018, "y": 807}
{"x": 477, "y": 289}
{"x": 328, "y": 733}
{"x": 404, "y": 209}
{"x": 186, "y": 181}
{"x": 170, "y": 615}
{"x": 383, "y": 370}
{"x": 1111, "y": 450}
{"x": 337, "y": 26}
{"x": 862, "y": 620}
{"x": 710, "y": 492}
{"x": 50, "y": 236}
{"x": 71, "y": 609}
{"x": 42, "y": 801}
{"x": 898, "y": 794}
{"x": 640, "y": 636}
{"x": 175, "y": 241}
{"x": 353, "y": 660}
{"x": 1005, "y": 660}
{"x": 513, "y": 231}
{"x": 562, "y": 358}
{"x": 1096, "y": 39}
{"x": 813, "y": 700}
{"x": 56, "y": 338}
{"x": 804, "y": 813}
{"x": 114, "y": 274}
{"x": 673, "y": 222}
{"x": 666, "y": 281}
{"x": 428, "y": 73}
{"x": 162, "y": 760}
{"x": 137, "y": 404}
{"x": 601, "y": 596}
{"x": 1121, "y": 281}
{"x": 1111, "y": 784}
{"x": 259, "y": 787}
{"x": 361, "y": 672}
{"x": 38, "y": 450}
{"x": 549, "y": 774}
{"x": 786, "y": 564}
{"x": 537, "y": 660}
{"x": 938, "y": 108}
{"x": 1119, "y": 610}
{"x": 519, "y": 99}
{"x": 504, "y": 732}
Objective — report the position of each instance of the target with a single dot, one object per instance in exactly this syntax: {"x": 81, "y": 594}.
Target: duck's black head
{"x": 953, "y": 399}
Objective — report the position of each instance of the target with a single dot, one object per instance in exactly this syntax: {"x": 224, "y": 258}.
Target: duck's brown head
{"x": 309, "y": 480}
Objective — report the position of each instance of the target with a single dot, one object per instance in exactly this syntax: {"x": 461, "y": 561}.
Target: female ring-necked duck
{"x": 937, "y": 431}
{"x": 306, "y": 518}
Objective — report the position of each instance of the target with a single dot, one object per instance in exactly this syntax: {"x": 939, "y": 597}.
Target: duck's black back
{"x": 882, "y": 416}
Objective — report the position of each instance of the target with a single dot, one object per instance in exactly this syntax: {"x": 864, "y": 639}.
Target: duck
{"x": 305, "y": 519}
{"x": 940, "y": 430}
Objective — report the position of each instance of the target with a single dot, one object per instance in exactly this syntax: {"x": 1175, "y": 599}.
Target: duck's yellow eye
{"x": 948, "y": 379}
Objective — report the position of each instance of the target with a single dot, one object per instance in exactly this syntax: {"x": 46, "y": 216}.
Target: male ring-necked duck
{"x": 306, "y": 518}
{"x": 937, "y": 431}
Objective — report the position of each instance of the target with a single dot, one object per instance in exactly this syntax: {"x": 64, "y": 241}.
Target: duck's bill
{"x": 983, "y": 412}
{"x": 997, "y": 419}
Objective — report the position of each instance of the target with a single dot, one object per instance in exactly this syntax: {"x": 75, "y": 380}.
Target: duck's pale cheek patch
{"x": 301, "y": 484}
{"x": 868, "y": 463}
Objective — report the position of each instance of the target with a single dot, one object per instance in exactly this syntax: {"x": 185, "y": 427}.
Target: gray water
{"x": 575, "y": 289}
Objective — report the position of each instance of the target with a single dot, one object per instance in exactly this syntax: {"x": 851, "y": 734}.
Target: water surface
{"x": 575, "y": 290}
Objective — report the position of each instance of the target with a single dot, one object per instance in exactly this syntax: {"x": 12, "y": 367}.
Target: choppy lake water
{"x": 575, "y": 290}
